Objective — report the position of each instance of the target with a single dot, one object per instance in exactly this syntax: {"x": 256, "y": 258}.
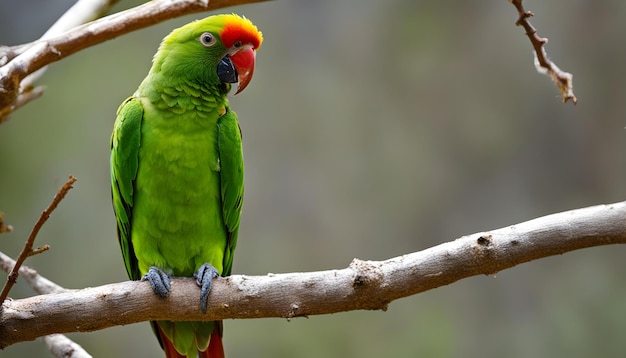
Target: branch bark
{"x": 365, "y": 285}
{"x": 58, "y": 344}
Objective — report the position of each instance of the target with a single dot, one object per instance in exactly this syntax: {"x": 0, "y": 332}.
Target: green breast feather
{"x": 177, "y": 191}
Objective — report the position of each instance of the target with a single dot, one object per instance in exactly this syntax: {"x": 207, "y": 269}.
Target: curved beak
{"x": 243, "y": 61}
{"x": 237, "y": 66}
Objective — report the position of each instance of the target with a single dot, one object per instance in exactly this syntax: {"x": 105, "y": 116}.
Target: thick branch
{"x": 366, "y": 285}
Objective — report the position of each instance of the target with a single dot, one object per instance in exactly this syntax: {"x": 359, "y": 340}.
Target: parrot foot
{"x": 159, "y": 281}
{"x": 204, "y": 278}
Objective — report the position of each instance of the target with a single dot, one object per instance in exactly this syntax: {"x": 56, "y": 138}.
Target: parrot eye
{"x": 237, "y": 44}
{"x": 207, "y": 39}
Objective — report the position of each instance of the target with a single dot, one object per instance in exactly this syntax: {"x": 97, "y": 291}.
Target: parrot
{"x": 177, "y": 174}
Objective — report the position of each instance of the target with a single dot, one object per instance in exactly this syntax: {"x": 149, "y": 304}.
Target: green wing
{"x": 125, "y": 143}
{"x": 231, "y": 172}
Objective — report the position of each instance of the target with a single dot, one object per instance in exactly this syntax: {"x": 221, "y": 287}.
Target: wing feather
{"x": 125, "y": 142}
{"x": 231, "y": 178}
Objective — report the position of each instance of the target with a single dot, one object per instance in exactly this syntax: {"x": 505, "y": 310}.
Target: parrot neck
{"x": 184, "y": 96}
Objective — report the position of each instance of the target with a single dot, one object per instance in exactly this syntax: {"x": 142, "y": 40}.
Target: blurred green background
{"x": 371, "y": 129}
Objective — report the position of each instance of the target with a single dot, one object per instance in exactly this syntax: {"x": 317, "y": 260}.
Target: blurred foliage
{"x": 371, "y": 129}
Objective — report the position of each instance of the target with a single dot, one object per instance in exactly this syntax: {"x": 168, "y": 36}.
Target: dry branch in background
{"x": 63, "y": 347}
{"x": 563, "y": 80}
{"x": 365, "y": 285}
{"x": 28, "y": 245}
{"x": 20, "y": 61}
{"x": 58, "y": 344}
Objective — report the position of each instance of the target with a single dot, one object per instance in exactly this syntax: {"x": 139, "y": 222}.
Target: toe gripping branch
{"x": 204, "y": 278}
{"x": 161, "y": 285}
{"x": 159, "y": 281}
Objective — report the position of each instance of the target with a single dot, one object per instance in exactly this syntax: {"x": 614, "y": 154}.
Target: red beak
{"x": 243, "y": 60}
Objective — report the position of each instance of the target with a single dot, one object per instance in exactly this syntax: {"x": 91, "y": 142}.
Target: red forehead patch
{"x": 241, "y": 29}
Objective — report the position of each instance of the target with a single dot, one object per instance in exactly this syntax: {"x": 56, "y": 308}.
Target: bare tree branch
{"x": 58, "y": 344}
{"x": 20, "y": 61}
{"x": 563, "y": 80}
{"x": 63, "y": 347}
{"x": 365, "y": 285}
{"x": 81, "y": 12}
{"x": 28, "y": 246}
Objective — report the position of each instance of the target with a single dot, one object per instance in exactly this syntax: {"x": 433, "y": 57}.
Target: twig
{"x": 23, "y": 60}
{"x": 563, "y": 80}
{"x": 39, "y": 250}
{"x": 58, "y": 344}
{"x": 28, "y": 246}
{"x": 4, "y": 227}
{"x": 364, "y": 285}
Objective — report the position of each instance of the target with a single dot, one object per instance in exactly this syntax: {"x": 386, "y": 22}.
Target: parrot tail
{"x": 215, "y": 349}
{"x": 167, "y": 345}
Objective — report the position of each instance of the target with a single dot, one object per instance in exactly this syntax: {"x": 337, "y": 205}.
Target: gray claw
{"x": 204, "y": 278}
{"x": 159, "y": 281}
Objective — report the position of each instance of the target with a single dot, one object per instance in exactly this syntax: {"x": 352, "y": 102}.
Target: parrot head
{"x": 219, "y": 49}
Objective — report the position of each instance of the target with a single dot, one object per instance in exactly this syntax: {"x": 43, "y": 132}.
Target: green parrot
{"x": 177, "y": 169}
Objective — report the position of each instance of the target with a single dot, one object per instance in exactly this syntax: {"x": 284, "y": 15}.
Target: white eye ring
{"x": 207, "y": 39}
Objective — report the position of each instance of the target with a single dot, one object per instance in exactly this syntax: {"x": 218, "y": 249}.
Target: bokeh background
{"x": 371, "y": 129}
